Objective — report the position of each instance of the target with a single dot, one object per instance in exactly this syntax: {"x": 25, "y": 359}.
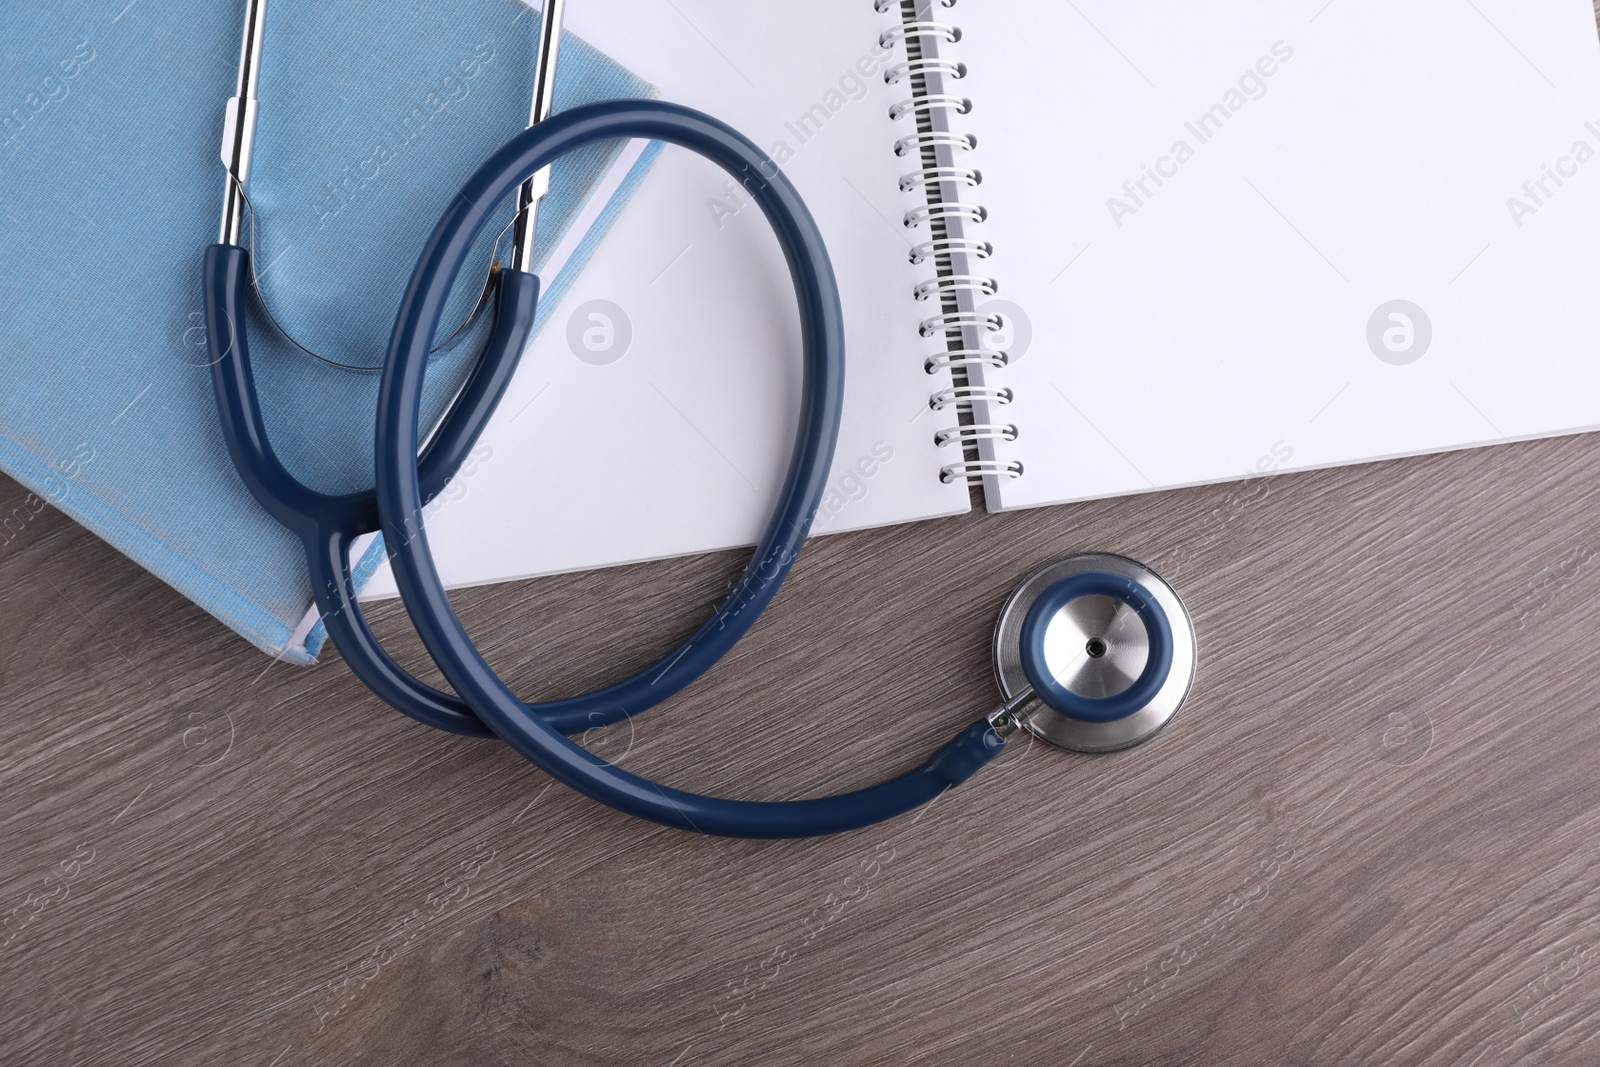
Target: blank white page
{"x": 1250, "y": 237}
{"x": 678, "y": 444}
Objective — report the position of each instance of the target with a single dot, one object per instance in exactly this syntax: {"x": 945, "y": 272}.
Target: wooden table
{"x": 1368, "y": 838}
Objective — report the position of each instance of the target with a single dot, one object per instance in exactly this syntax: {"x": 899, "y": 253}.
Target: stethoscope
{"x": 1094, "y": 653}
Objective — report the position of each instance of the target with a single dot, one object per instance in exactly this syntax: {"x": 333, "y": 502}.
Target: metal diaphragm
{"x": 1101, "y": 620}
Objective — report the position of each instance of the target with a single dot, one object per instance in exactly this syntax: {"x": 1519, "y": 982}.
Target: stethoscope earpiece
{"x": 1105, "y": 646}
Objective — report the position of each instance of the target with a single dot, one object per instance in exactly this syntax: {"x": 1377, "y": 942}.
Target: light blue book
{"x": 372, "y": 115}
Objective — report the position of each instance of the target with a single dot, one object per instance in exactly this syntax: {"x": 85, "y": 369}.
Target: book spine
{"x": 952, "y": 221}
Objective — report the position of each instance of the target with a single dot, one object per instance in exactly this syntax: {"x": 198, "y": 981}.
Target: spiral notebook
{"x": 1086, "y": 248}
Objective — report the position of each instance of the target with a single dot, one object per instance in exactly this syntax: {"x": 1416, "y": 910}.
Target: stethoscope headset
{"x": 1093, "y": 653}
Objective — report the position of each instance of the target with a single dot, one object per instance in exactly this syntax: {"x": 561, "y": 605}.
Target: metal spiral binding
{"x": 964, "y": 394}
{"x": 958, "y": 104}
{"x": 951, "y": 322}
{"x": 965, "y": 357}
{"x": 946, "y": 282}
{"x": 950, "y": 249}
{"x": 901, "y": 71}
{"x": 934, "y": 175}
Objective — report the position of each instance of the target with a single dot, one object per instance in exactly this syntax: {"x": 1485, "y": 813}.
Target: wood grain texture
{"x": 1370, "y": 837}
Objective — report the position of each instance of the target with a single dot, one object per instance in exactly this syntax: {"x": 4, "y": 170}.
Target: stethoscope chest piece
{"x": 1105, "y": 645}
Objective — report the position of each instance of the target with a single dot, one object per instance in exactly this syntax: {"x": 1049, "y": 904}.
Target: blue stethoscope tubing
{"x": 403, "y": 485}
{"x": 327, "y": 524}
